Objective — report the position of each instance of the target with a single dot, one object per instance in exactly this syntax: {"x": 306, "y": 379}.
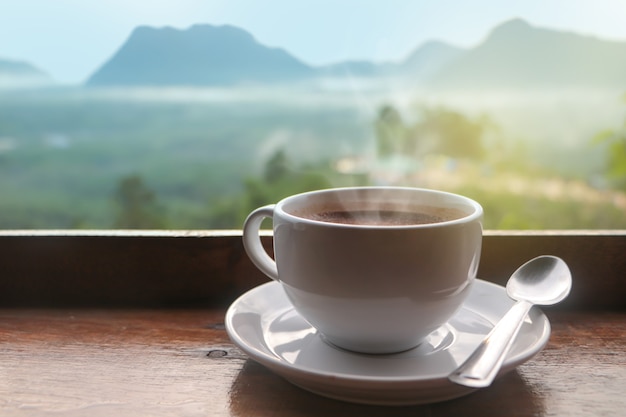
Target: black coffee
{"x": 379, "y": 217}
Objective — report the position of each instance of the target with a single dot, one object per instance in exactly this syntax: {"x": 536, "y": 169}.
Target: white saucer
{"x": 263, "y": 323}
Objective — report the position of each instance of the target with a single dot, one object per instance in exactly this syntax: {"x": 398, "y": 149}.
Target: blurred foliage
{"x": 392, "y": 133}
{"x": 78, "y": 163}
{"x": 615, "y": 142}
{"x": 279, "y": 180}
{"x": 437, "y": 131}
{"x": 136, "y": 205}
{"x": 510, "y": 211}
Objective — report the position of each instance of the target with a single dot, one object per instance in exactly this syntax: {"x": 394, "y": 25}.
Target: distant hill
{"x": 518, "y": 55}
{"x": 226, "y": 55}
{"x": 201, "y": 55}
{"x": 515, "y": 55}
{"x": 18, "y": 74}
{"x": 424, "y": 61}
{"x": 430, "y": 58}
{"x": 355, "y": 69}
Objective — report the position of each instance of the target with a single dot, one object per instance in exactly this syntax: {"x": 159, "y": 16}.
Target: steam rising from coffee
{"x": 372, "y": 206}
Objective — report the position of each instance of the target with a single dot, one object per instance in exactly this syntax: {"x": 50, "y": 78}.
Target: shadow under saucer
{"x": 258, "y": 391}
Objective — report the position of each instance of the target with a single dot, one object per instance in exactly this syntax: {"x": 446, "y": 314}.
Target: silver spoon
{"x": 544, "y": 280}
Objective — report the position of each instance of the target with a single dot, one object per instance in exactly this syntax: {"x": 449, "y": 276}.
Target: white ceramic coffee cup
{"x": 371, "y": 288}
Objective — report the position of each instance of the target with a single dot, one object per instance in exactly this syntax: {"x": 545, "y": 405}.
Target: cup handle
{"x": 252, "y": 241}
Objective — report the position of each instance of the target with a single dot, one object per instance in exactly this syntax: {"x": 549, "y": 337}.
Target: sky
{"x": 71, "y": 39}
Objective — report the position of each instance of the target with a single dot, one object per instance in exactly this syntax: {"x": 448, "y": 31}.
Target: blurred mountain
{"x": 517, "y": 55}
{"x": 226, "y": 55}
{"x": 19, "y": 74}
{"x": 200, "y": 55}
{"x": 430, "y": 58}
{"x": 423, "y": 62}
{"x": 355, "y": 69}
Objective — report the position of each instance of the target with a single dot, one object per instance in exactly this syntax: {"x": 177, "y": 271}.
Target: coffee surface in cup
{"x": 384, "y": 216}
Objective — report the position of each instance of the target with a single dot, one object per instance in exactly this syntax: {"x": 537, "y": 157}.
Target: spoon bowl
{"x": 544, "y": 280}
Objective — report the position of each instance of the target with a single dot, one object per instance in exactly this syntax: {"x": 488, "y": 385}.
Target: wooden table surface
{"x": 164, "y": 362}
{"x": 88, "y": 327}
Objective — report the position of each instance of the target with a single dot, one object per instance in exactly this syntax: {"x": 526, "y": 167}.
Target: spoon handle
{"x": 480, "y": 369}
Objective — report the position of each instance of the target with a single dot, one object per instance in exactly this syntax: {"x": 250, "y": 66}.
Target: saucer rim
{"x": 278, "y": 364}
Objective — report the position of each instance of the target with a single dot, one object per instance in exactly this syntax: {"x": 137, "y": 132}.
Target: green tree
{"x": 450, "y": 133}
{"x": 279, "y": 180}
{"x": 615, "y": 141}
{"x": 136, "y": 204}
{"x": 438, "y": 130}
{"x": 276, "y": 167}
{"x": 391, "y": 132}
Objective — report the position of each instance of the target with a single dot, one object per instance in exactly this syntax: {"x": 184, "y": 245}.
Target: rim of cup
{"x": 463, "y": 203}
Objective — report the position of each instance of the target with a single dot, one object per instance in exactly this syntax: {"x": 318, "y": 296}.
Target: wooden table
{"x": 128, "y": 324}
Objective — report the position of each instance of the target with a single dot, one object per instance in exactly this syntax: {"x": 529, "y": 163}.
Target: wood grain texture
{"x": 184, "y": 268}
{"x": 596, "y": 259}
{"x": 123, "y": 269}
{"x": 181, "y": 363}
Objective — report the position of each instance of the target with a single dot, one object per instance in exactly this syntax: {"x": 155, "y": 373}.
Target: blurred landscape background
{"x": 193, "y": 128}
